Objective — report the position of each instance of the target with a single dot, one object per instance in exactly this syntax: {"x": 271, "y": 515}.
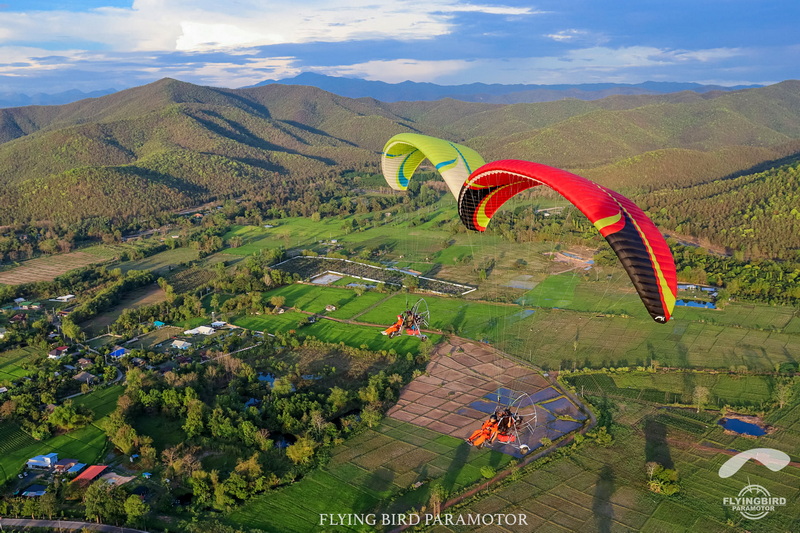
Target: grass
{"x": 604, "y": 489}
{"x": 374, "y": 471}
{"x": 164, "y": 431}
{"x": 101, "y": 401}
{"x": 162, "y": 262}
{"x": 11, "y": 362}
{"x": 314, "y": 299}
{"x": 86, "y": 444}
{"x": 353, "y": 335}
{"x": 678, "y": 387}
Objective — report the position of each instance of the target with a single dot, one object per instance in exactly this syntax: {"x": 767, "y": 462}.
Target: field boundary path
{"x": 65, "y": 525}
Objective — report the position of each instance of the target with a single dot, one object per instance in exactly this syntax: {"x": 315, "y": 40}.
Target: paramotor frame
{"x": 517, "y": 418}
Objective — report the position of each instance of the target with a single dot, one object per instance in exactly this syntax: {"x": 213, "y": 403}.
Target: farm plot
{"x": 162, "y": 262}
{"x": 101, "y": 401}
{"x": 465, "y": 382}
{"x": 678, "y": 386}
{"x": 310, "y": 267}
{"x": 85, "y": 444}
{"x": 11, "y": 363}
{"x": 355, "y": 335}
{"x": 148, "y": 295}
{"x": 375, "y": 471}
{"x": 604, "y": 489}
{"x": 556, "y": 337}
{"x": 476, "y": 320}
{"x": 47, "y": 268}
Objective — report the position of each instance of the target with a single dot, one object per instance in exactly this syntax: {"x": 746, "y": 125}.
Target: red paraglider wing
{"x": 637, "y": 242}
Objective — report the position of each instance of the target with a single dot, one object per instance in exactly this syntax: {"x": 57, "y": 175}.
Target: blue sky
{"x": 52, "y": 46}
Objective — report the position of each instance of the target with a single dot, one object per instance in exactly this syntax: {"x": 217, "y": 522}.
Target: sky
{"x": 49, "y": 46}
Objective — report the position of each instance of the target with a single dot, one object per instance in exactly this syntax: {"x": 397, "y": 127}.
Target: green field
{"x": 572, "y": 339}
{"x": 678, "y": 387}
{"x": 353, "y": 335}
{"x": 372, "y": 472}
{"x": 11, "y": 363}
{"x": 604, "y": 489}
{"x": 161, "y": 262}
{"x": 581, "y": 318}
{"x": 314, "y": 299}
{"x": 86, "y": 445}
{"x": 101, "y": 401}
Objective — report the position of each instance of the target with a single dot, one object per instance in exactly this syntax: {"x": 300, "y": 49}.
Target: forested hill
{"x": 757, "y": 214}
{"x": 170, "y": 144}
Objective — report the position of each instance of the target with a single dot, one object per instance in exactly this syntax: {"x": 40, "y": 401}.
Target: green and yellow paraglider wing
{"x": 404, "y": 152}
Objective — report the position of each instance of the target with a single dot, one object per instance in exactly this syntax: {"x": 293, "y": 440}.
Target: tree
{"x": 301, "y": 451}
{"x": 135, "y": 509}
{"x": 194, "y": 419}
{"x": 784, "y": 392}
{"x": 70, "y": 328}
{"x": 700, "y": 396}
{"x": 102, "y": 502}
{"x": 48, "y": 505}
{"x": 277, "y": 301}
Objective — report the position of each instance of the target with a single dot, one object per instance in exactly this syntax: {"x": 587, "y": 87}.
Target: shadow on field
{"x": 655, "y": 446}
{"x": 456, "y": 465}
{"x": 601, "y": 505}
{"x": 380, "y": 481}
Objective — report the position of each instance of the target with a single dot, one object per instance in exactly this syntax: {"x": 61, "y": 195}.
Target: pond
{"x": 740, "y": 426}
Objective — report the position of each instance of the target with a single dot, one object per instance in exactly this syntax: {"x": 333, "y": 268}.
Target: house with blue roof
{"x": 118, "y": 352}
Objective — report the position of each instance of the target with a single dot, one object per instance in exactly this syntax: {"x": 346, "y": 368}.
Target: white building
{"x": 200, "y": 330}
{"x": 43, "y": 462}
{"x": 181, "y": 345}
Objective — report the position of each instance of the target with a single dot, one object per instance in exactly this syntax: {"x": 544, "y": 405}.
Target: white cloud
{"x": 399, "y": 70}
{"x": 566, "y": 35}
{"x": 491, "y": 10}
{"x": 158, "y": 25}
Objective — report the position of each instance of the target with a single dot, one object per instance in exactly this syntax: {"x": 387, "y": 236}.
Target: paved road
{"x": 65, "y": 525}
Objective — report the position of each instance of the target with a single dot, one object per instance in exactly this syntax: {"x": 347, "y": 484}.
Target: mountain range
{"x": 9, "y": 99}
{"x": 170, "y": 145}
{"x": 410, "y": 91}
{"x": 495, "y": 93}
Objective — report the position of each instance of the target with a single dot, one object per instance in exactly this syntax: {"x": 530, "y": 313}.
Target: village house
{"x": 118, "y": 352}
{"x": 64, "y": 465}
{"x": 200, "y": 330}
{"x": 85, "y": 363}
{"x": 57, "y": 353}
{"x": 181, "y": 345}
{"x": 85, "y": 377}
{"x": 90, "y": 474}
